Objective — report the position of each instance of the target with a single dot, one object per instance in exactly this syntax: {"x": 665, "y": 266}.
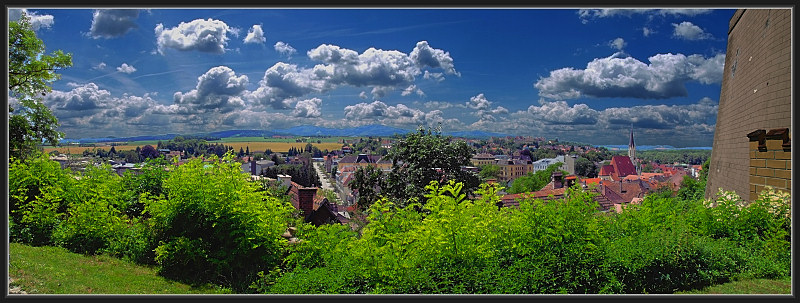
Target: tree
{"x": 149, "y": 152}
{"x": 367, "y": 184}
{"x": 534, "y": 181}
{"x": 241, "y": 152}
{"x": 30, "y": 74}
{"x": 585, "y": 167}
{"x": 427, "y": 156}
{"x": 489, "y": 171}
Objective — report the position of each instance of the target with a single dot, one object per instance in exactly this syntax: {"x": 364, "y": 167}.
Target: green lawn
{"x": 54, "y": 270}
{"x": 750, "y": 286}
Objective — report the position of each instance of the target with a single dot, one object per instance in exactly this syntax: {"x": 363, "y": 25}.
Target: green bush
{"x": 93, "y": 216}
{"x": 36, "y": 189}
{"x": 213, "y": 218}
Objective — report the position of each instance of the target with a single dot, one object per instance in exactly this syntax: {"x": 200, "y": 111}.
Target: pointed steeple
{"x": 632, "y": 146}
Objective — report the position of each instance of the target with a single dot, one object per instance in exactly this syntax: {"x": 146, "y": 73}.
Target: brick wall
{"x": 755, "y": 93}
{"x": 770, "y": 160}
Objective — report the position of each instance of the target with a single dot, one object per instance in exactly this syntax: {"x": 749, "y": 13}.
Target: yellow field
{"x": 279, "y": 147}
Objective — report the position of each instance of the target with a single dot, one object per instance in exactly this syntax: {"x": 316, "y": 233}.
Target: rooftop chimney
{"x": 286, "y": 180}
{"x": 557, "y": 179}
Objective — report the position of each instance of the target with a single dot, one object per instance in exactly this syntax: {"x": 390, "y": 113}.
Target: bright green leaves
{"x": 227, "y": 225}
{"x": 30, "y": 70}
{"x": 30, "y": 73}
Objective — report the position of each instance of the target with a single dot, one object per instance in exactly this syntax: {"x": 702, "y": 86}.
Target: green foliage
{"x": 585, "y": 167}
{"x": 30, "y": 73}
{"x": 426, "y": 156}
{"x": 149, "y": 180}
{"x": 36, "y": 190}
{"x": 94, "y": 214}
{"x": 489, "y": 171}
{"x": 534, "y": 181}
{"x": 215, "y": 225}
{"x": 367, "y": 184}
{"x": 686, "y": 156}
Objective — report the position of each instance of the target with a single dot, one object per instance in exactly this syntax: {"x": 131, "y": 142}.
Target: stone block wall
{"x": 770, "y": 160}
{"x": 756, "y": 93}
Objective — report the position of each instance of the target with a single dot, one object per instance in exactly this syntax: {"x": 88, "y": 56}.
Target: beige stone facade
{"x": 755, "y": 95}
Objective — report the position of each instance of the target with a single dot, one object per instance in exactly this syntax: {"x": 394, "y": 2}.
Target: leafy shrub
{"x": 213, "y": 218}
{"x": 93, "y": 217}
{"x": 36, "y": 189}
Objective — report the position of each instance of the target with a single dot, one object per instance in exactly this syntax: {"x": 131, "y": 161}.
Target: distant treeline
{"x": 686, "y": 156}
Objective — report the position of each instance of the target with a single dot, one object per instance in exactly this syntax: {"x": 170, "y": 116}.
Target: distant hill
{"x": 361, "y": 131}
{"x": 240, "y": 133}
{"x": 475, "y": 134}
{"x": 650, "y": 147}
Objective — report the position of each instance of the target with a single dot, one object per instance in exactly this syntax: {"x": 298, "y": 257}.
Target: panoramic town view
{"x": 453, "y": 151}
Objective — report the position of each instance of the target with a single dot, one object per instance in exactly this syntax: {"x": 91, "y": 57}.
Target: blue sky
{"x": 575, "y": 74}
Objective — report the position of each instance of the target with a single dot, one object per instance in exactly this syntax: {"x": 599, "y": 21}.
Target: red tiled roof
{"x": 589, "y": 181}
{"x": 623, "y": 166}
{"x": 606, "y": 170}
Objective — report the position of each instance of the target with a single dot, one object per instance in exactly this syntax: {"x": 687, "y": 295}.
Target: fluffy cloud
{"x": 111, "y": 23}
{"x": 219, "y": 89}
{"x": 483, "y": 110}
{"x": 618, "y": 43}
{"x": 438, "y": 77}
{"x": 37, "y": 21}
{"x": 255, "y": 35}
{"x": 424, "y": 55}
{"x": 479, "y": 102}
{"x": 412, "y": 89}
{"x": 91, "y": 111}
{"x": 285, "y": 49}
{"x": 200, "y": 35}
{"x": 125, "y": 68}
{"x": 399, "y": 115}
{"x": 688, "y": 31}
{"x": 307, "y": 108}
{"x": 621, "y": 76}
{"x": 283, "y": 83}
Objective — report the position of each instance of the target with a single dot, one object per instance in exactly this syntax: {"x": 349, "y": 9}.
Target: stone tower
{"x": 632, "y": 147}
{"x": 755, "y": 98}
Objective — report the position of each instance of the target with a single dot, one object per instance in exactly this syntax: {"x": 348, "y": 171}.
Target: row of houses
{"x": 519, "y": 165}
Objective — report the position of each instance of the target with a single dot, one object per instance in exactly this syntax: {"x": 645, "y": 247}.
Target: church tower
{"x": 632, "y": 147}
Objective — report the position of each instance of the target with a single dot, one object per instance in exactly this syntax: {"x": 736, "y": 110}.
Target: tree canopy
{"x": 426, "y": 156}
{"x": 30, "y": 74}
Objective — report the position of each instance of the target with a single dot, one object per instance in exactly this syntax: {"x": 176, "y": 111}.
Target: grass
{"x": 54, "y": 270}
{"x": 750, "y": 286}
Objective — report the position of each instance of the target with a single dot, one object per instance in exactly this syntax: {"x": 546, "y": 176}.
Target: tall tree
{"x": 30, "y": 74}
{"x": 367, "y": 184}
{"x": 427, "y": 156}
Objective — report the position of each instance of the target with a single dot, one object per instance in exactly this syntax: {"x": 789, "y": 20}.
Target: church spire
{"x": 632, "y": 146}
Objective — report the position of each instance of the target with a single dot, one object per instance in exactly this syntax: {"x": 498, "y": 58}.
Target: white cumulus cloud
{"x": 285, "y": 49}
{"x": 688, "y": 31}
{"x": 201, "y": 35}
{"x": 125, "y": 68}
{"x": 618, "y": 43}
{"x": 255, "y": 35}
{"x": 622, "y": 76}
{"x": 308, "y": 108}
